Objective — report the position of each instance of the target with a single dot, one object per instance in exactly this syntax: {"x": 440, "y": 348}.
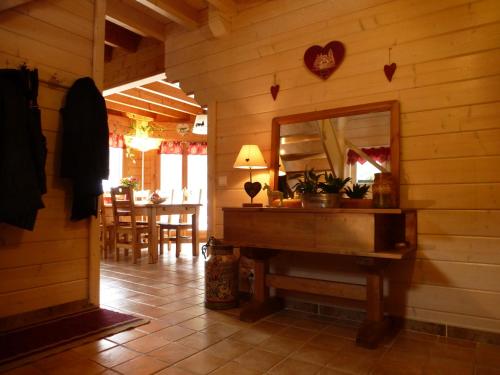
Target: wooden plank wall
{"x": 448, "y": 84}
{"x": 49, "y": 266}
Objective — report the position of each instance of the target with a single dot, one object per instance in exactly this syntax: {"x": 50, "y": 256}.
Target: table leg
{"x": 261, "y": 304}
{"x": 194, "y": 223}
{"x": 260, "y": 290}
{"x": 153, "y": 237}
{"x": 375, "y": 326}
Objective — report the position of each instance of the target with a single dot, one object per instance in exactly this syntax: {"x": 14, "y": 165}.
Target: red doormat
{"x": 62, "y": 333}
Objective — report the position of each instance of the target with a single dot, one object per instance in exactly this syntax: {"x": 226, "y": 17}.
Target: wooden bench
{"x": 373, "y": 237}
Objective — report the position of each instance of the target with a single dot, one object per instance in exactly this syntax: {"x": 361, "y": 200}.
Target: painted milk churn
{"x": 221, "y": 275}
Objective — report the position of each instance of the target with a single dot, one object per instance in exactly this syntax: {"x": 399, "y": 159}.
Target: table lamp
{"x": 250, "y": 158}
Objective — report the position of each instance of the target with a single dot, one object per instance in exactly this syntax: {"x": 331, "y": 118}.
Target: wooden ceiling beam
{"x": 134, "y": 83}
{"x": 115, "y": 107}
{"x": 8, "y": 4}
{"x": 225, "y": 6}
{"x": 299, "y": 138}
{"x": 114, "y": 112}
{"x": 108, "y": 53}
{"x": 304, "y": 156}
{"x": 144, "y": 105}
{"x": 122, "y": 14}
{"x": 174, "y": 10}
{"x": 117, "y": 36}
{"x": 154, "y": 98}
{"x": 170, "y": 92}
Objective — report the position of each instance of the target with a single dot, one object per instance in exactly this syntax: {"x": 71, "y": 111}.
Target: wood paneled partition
{"x": 448, "y": 84}
{"x": 49, "y": 266}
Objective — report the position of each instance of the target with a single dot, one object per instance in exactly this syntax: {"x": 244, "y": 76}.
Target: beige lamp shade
{"x": 250, "y": 157}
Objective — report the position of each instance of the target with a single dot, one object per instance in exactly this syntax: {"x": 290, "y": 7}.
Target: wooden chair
{"x": 107, "y": 231}
{"x": 179, "y": 230}
{"x": 129, "y": 234}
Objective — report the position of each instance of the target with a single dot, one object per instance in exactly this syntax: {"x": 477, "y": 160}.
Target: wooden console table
{"x": 373, "y": 237}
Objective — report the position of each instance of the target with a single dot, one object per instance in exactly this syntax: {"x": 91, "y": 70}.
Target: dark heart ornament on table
{"x": 274, "y": 91}
{"x": 389, "y": 71}
{"x": 252, "y": 188}
{"x": 323, "y": 61}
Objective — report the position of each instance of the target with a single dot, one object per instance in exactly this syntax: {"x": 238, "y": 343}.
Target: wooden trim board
{"x": 322, "y": 287}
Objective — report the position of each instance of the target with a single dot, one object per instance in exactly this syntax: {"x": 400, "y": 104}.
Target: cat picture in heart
{"x": 323, "y": 61}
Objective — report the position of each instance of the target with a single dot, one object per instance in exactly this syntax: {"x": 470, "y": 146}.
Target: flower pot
{"x": 292, "y": 203}
{"x": 320, "y": 200}
{"x": 356, "y": 203}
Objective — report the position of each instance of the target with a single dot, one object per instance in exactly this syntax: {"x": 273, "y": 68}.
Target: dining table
{"x": 154, "y": 210}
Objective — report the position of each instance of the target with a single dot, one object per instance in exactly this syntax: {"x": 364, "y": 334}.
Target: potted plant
{"x": 320, "y": 190}
{"x": 357, "y": 194}
{"x": 130, "y": 182}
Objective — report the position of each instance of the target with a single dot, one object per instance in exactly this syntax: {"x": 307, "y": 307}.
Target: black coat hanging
{"x": 23, "y": 148}
{"x": 85, "y": 154}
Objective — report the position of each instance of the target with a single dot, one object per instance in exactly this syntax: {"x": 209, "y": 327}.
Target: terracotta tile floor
{"x": 184, "y": 338}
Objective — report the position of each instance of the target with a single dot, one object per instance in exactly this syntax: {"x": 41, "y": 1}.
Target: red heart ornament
{"x": 252, "y": 188}
{"x": 274, "y": 91}
{"x": 389, "y": 71}
{"x": 323, "y": 61}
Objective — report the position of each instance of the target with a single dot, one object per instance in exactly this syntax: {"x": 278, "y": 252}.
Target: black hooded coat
{"x": 85, "y": 154}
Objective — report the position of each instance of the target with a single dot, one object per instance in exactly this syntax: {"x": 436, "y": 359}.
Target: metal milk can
{"x": 221, "y": 275}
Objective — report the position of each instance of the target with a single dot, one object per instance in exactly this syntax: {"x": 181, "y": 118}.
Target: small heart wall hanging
{"x": 275, "y": 88}
{"x": 389, "y": 71}
{"x": 323, "y": 61}
{"x": 274, "y": 91}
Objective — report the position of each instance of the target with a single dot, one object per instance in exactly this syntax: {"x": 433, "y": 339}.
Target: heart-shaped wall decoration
{"x": 323, "y": 61}
{"x": 389, "y": 71}
{"x": 252, "y": 188}
{"x": 274, "y": 91}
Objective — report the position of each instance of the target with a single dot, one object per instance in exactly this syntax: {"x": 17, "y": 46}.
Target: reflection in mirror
{"x": 354, "y": 142}
{"x": 351, "y": 146}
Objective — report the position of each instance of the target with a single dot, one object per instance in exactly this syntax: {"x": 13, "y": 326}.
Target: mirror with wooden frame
{"x": 356, "y": 142}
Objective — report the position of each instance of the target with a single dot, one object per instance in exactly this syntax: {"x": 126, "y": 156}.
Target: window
{"x": 171, "y": 176}
{"x": 365, "y": 173}
{"x": 115, "y": 169}
{"x": 192, "y": 175}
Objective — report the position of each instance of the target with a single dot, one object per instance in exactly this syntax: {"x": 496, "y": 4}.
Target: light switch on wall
{"x": 222, "y": 181}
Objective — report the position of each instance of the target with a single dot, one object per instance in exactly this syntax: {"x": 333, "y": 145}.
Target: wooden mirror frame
{"x": 392, "y": 106}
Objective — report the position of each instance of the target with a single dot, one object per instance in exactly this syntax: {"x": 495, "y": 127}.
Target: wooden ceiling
{"x": 127, "y": 23}
{"x": 149, "y": 18}
{"x": 155, "y": 98}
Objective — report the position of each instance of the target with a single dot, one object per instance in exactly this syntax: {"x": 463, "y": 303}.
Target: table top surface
{"x": 283, "y": 210}
{"x": 163, "y": 204}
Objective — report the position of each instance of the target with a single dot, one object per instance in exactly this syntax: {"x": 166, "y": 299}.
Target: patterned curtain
{"x": 170, "y": 147}
{"x": 380, "y": 154}
{"x": 116, "y": 140}
{"x": 197, "y": 148}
